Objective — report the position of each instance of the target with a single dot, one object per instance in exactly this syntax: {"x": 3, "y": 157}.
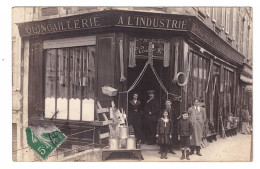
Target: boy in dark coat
{"x": 184, "y": 134}
{"x": 164, "y": 134}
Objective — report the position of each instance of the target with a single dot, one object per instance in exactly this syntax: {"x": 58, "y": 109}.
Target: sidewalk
{"x": 236, "y": 148}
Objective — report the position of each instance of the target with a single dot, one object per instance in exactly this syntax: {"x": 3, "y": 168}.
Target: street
{"x": 236, "y": 148}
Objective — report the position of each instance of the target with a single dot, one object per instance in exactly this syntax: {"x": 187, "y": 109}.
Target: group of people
{"x": 152, "y": 125}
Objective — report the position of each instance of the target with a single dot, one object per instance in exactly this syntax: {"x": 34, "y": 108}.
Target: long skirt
{"x": 245, "y": 128}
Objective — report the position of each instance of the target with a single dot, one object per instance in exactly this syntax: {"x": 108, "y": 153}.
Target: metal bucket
{"x": 113, "y": 143}
{"x": 123, "y": 132}
{"x": 131, "y": 143}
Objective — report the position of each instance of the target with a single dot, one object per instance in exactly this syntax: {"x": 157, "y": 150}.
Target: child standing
{"x": 185, "y": 134}
{"x": 163, "y": 135}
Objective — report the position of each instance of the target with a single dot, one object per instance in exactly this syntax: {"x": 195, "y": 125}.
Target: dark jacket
{"x": 153, "y": 107}
{"x": 164, "y": 132}
{"x": 134, "y": 107}
{"x": 161, "y": 129}
{"x": 185, "y": 127}
{"x": 134, "y": 111}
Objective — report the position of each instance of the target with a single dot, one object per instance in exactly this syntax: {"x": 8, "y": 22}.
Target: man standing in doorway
{"x": 151, "y": 112}
{"x": 198, "y": 118}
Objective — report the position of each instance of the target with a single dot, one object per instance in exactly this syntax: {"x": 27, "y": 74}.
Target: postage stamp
{"x": 44, "y": 140}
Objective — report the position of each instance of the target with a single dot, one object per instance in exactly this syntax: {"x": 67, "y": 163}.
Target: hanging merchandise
{"x": 122, "y": 77}
{"x": 176, "y": 55}
{"x": 85, "y": 68}
{"x": 211, "y": 101}
{"x": 110, "y": 91}
{"x": 210, "y": 72}
{"x": 61, "y": 66}
{"x": 132, "y": 59}
{"x": 187, "y": 67}
{"x": 166, "y": 58}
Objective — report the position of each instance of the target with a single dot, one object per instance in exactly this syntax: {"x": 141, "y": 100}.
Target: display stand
{"x": 105, "y": 125}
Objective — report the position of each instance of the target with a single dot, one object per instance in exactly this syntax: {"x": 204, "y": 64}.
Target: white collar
{"x": 197, "y": 107}
{"x": 165, "y": 120}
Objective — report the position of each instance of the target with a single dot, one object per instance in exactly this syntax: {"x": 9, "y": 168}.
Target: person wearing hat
{"x": 184, "y": 133}
{"x": 134, "y": 116}
{"x": 245, "y": 120}
{"x": 151, "y": 113}
{"x": 198, "y": 118}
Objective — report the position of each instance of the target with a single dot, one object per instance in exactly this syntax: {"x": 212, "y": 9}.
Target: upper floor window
{"x": 207, "y": 10}
{"x": 227, "y": 20}
{"x": 49, "y": 11}
{"x": 223, "y": 17}
{"x": 214, "y": 15}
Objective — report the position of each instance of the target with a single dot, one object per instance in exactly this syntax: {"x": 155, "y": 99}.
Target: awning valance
{"x": 246, "y": 79}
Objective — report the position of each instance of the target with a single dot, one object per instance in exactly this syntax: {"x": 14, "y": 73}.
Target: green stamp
{"x": 44, "y": 140}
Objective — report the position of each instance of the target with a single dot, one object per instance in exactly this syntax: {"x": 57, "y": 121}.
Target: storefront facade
{"x": 69, "y": 59}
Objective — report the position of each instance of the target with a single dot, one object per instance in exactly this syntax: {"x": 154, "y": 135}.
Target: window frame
{"x": 68, "y": 44}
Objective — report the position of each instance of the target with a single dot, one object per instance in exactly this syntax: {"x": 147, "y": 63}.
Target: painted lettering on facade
{"x": 98, "y": 20}
{"x": 142, "y": 47}
{"x": 152, "y": 22}
{"x": 62, "y": 26}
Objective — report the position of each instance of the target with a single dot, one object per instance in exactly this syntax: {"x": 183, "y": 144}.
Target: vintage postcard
{"x": 132, "y": 84}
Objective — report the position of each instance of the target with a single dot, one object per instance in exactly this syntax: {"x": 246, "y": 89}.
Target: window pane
{"x": 74, "y": 85}
{"x": 88, "y": 83}
{"x": 75, "y": 89}
{"x": 62, "y": 84}
{"x": 50, "y": 83}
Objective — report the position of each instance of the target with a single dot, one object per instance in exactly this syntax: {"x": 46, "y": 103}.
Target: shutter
{"x": 105, "y": 65}
{"x": 36, "y": 82}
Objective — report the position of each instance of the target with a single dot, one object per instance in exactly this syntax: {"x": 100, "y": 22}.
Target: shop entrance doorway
{"x": 148, "y": 80}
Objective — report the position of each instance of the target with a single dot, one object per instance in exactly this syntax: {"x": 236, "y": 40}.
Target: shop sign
{"x": 105, "y": 19}
{"x": 142, "y": 47}
{"x": 63, "y": 25}
{"x": 171, "y": 23}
